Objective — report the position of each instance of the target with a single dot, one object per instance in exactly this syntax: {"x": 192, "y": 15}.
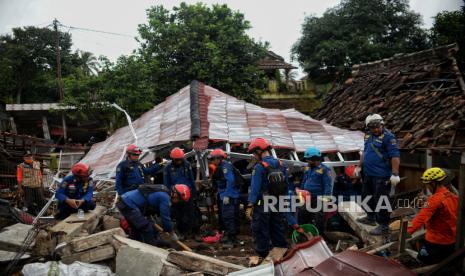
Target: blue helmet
{"x": 312, "y": 151}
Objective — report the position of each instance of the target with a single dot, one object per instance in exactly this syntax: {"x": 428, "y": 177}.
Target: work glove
{"x": 395, "y": 179}
{"x": 299, "y": 229}
{"x": 249, "y": 212}
{"x": 357, "y": 172}
{"x": 174, "y": 237}
{"x": 226, "y": 200}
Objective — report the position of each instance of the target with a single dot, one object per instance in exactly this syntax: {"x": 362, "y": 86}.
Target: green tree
{"x": 449, "y": 27}
{"x": 209, "y": 44}
{"x": 88, "y": 63}
{"x": 357, "y": 31}
{"x": 28, "y": 64}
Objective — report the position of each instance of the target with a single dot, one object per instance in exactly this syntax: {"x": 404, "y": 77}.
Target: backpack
{"x": 239, "y": 180}
{"x": 277, "y": 181}
{"x": 146, "y": 190}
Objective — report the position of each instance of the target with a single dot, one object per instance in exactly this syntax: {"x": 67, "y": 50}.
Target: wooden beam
{"x": 196, "y": 262}
{"x": 402, "y": 235}
{"x": 276, "y": 254}
{"x": 91, "y": 256}
{"x": 45, "y": 127}
{"x": 350, "y": 211}
{"x": 94, "y": 240}
{"x": 70, "y": 227}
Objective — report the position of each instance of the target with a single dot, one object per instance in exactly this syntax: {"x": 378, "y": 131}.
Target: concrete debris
{"x": 12, "y": 237}
{"x": 196, "y": 262}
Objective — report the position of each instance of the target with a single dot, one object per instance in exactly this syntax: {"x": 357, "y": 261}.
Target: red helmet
{"x": 80, "y": 169}
{"x": 350, "y": 171}
{"x": 177, "y": 153}
{"x": 218, "y": 153}
{"x": 133, "y": 149}
{"x": 259, "y": 143}
{"x": 183, "y": 191}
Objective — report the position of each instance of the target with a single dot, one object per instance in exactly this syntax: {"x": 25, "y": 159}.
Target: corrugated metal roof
{"x": 228, "y": 119}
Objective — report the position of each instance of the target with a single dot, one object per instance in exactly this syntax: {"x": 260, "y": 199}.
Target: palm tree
{"x": 89, "y": 63}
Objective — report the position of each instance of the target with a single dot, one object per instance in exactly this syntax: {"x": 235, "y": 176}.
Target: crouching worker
{"x": 228, "y": 196}
{"x": 135, "y": 205}
{"x": 439, "y": 215}
{"x": 75, "y": 192}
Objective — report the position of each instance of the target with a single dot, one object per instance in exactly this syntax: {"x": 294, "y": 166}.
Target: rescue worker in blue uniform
{"x": 267, "y": 226}
{"x": 228, "y": 196}
{"x": 317, "y": 180}
{"x": 130, "y": 172}
{"x": 187, "y": 214}
{"x": 147, "y": 200}
{"x": 75, "y": 192}
{"x": 380, "y": 162}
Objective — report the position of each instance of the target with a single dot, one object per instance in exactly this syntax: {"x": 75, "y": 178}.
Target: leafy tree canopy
{"x": 357, "y": 31}
{"x": 209, "y": 44}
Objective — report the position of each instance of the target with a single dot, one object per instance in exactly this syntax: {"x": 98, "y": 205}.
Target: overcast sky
{"x": 276, "y": 21}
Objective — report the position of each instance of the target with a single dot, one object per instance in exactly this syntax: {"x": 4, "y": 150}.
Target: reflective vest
{"x": 30, "y": 175}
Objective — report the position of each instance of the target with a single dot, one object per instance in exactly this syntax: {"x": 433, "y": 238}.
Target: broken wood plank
{"x": 350, "y": 211}
{"x": 91, "y": 256}
{"x": 12, "y": 237}
{"x": 276, "y": 254}
{"x": 196, "y": 262}
{"x": 67, "y": 229}
{"x": 402, "y": 235}
{"x": 94, "y": 240}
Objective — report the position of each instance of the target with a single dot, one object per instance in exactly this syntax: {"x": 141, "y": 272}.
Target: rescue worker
{"x": 146, "y": 200}
{"x": 187, "y": 215}
{"x": 130, "y": 172}
{"x": 380, "y": 162}
{"x": 29, "y": 176}
{"x": 439, "y": 216}
{"x": 228, "y": 196}
{"x": 75, "y": 192}
{"x": 267, "y": 226}
{"x": 317, "y": 180}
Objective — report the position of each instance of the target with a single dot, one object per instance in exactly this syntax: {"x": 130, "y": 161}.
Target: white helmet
{"x": 374, "y": 118}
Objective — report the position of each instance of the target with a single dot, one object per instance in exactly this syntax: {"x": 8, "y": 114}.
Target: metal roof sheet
{"x": 228, "y": 119}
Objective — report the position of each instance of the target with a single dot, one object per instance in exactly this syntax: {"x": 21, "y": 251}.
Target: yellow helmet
{"x": 433, "y": 174}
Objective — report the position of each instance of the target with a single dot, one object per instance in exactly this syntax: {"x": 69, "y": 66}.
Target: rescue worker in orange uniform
{"x": 29, "y": 177}
{"x": 439, "y": 215}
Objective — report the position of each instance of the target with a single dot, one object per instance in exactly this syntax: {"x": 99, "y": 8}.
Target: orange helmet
{"x": 177, "y": 153}
{"x": 133, "y": 149}
{"x": 218, "y": 153}
{"x": 183, "y": 191}
{"x": 259, "y": 143}
{"x": 303, "y": 195}
{"x": 350, "y": 171}
{"x": 80, "y": 169}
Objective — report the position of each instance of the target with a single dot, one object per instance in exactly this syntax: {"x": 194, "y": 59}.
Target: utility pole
{"x": 57, "y": 48}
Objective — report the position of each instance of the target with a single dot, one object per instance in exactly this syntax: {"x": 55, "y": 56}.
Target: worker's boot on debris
{"x": 367, "y": 220}
{"x": 380, "y": 230}
{"x": 229, "y": 242}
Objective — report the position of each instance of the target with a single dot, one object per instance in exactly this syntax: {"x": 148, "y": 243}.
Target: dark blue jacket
{"x": 373, "y": 163}
{"x": 225, "y": 181}
{"x": 260, "y": 184}
{"x": 130, "y": 174}
{"x": 317, "y": 181}
{"x": 73, "y": 188}
{"x": 159, "y": 201}
{"x": 173, "y": 175}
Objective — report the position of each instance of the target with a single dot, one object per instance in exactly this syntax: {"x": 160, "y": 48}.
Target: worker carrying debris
{"x": 269, "y": 177}
{"x": 439, "y": 215}
{"x": 75, "y": 192}
{"x": 146, "y": 200}
{"x": 186, "y": 214}
{"x": 30, "y": 188}
{"x": 317, "y": 180}
{"x": 224, "y": 181}
{"x": 380, "y": 166}
{"x": 130, "y": 172}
